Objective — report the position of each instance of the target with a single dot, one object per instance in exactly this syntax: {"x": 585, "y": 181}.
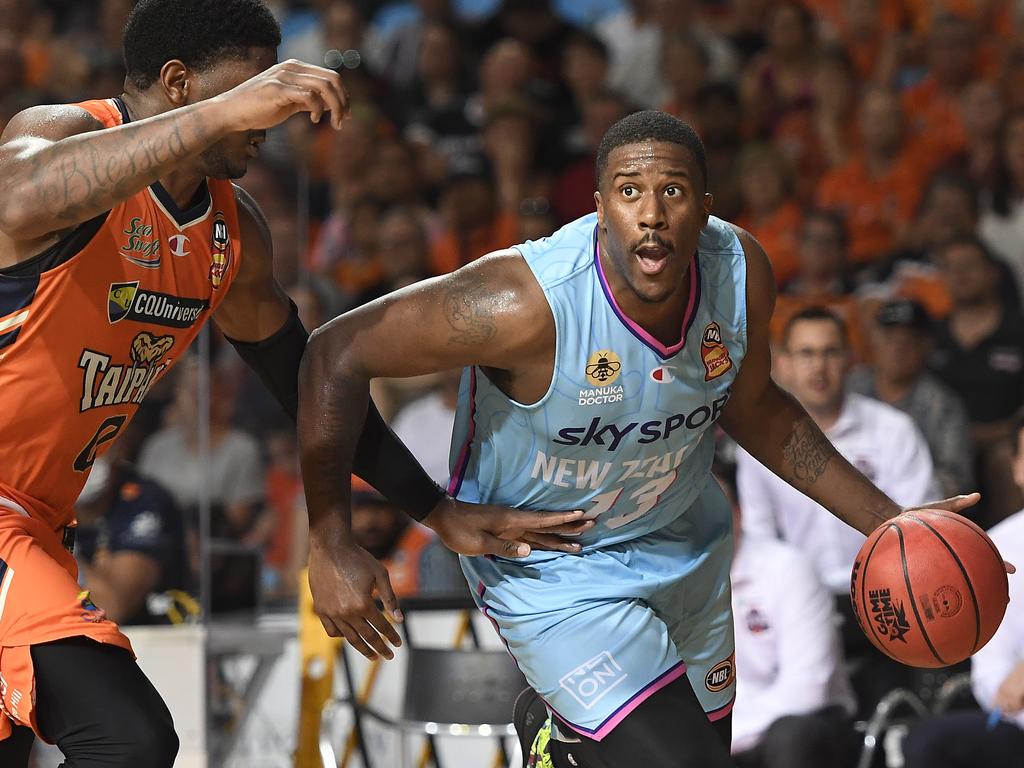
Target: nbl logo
{"x": 592, "y": 680}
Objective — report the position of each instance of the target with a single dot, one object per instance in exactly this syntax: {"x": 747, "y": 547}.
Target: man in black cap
{"x": 902, "y": 340}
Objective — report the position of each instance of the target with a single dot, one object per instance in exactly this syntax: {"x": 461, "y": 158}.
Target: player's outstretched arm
{"x": 776, "y": 430}
{"x": 485, "y": 314}
{"x": 59, "y": 167}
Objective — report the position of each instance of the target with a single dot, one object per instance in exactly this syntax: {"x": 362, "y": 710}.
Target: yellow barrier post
{"x": 318, "y": 652}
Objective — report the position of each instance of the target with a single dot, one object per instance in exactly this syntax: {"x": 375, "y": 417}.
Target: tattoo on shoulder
{"x": 806, "y": 451}
{"x": 470, "y": 311}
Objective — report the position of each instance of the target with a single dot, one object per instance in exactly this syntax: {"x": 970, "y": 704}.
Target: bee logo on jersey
{"x": 220, "y": 250}
{"x": 714, "y": 353}
{"x": 603, "y": 368}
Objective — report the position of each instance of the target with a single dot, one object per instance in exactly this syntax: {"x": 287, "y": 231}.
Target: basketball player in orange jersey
{"x": 120, "y": 234}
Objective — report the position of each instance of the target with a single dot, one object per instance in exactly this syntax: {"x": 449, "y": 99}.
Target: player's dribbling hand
{"x": 342, "y": 578}
{"x": 958, "y": 504}
{"x": 284, "y": 90}
{"x": 484, "y": 529}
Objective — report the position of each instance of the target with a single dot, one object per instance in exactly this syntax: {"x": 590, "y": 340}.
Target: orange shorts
{"x": 40, "y": 601}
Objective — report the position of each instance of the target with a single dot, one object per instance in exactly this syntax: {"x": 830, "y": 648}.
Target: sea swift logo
{"x": 127, "y": 300}
{"x": 714, "y": 352}
{"x": 141, "y": 248}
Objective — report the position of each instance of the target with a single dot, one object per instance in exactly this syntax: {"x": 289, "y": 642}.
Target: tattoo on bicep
{"x": 806, "y": 451}
{"x": 470, "y": 311}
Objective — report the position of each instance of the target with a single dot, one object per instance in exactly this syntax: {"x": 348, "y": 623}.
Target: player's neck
{"x": 182, "y": 184}
{"x": 662, "y": 319}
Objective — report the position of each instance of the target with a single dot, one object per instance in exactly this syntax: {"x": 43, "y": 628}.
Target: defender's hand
{"x": 284, "y": 90}
{"x": 342, "y": 578}
{"x": 484, "y": 529}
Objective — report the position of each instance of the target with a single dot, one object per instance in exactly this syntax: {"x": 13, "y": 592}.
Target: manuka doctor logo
{"x": 127, "y": 300}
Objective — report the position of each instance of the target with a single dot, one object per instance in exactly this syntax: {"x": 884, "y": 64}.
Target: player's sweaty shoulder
{"x": 51, "y": 122}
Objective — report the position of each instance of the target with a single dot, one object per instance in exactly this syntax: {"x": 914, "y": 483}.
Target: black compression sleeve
{"x": 384, "y": 462}
{"x": 276, "y": 360}
{"x": 381, "y": 459}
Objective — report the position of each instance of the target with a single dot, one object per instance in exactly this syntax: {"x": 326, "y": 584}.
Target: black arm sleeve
{"x": 381, "y": 458}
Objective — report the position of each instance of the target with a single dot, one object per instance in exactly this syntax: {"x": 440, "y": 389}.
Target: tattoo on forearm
{"x": 806, "y": 451}
{"x": 470, "y": 312}
{"x": 95, "y": 173}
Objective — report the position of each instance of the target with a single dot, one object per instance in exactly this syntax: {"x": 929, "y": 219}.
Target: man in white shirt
{"x": 879, "y": 440}
{"x": 993, "y": 736}
{"x": 793, "y": 699}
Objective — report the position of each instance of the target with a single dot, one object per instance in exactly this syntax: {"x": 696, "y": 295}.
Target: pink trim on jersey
{"x": 622, "y": 712}
{"x": 455, "y": 483}
{"x": 718, "y": 714}
{"x": 635, "y": 328}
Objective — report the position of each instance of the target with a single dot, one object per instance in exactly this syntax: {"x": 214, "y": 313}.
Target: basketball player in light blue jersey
{"x": 598, "y": 361}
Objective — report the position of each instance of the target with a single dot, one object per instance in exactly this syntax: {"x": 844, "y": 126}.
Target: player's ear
{"x": 176, "y": 78}
{"x": 600, "y": 209}
{"x": 709, "y": 201}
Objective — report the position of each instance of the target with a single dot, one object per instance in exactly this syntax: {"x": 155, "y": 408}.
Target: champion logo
{"x": 179, "y": 245}
{"x": 663, "y": 375}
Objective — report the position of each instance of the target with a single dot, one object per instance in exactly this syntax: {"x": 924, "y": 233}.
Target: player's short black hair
{"x": 199, "y": 33}
{"x": 816, "y": 313}
{"x": 651, "y": 124}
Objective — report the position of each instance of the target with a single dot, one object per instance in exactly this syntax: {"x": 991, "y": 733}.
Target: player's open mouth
{"x": 652, "y": 258}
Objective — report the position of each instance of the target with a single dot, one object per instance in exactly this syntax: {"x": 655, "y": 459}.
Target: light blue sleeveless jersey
{"x": 624, "y": 431}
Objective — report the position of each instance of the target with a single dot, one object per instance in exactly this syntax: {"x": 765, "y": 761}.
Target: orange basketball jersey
{"x": 87, "y": 328}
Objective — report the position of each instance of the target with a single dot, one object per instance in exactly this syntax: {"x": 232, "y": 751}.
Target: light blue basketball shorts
{"x": 599, "y": 632}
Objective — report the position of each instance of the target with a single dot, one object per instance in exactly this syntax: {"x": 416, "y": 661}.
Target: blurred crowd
{"x": 875, "y": 148}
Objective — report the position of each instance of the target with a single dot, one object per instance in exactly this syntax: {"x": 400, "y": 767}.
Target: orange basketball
{"x": 929, "y": 588}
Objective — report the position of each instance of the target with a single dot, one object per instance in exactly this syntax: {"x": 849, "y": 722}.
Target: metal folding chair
{"x": 448, "y": 692}
{"x": 885, "y": 718}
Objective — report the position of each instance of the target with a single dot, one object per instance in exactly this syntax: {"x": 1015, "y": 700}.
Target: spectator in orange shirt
{"x": 769, "y": 211}
{"x": 473, "y": 222}
{"x": 933, "y": 106}
{"x": 948, "y": 209}
{"x": 820, "y": 280}
{"x": 867, "y": 29}
{"x": 821, "y": 138}
{"x": 878, "y": 188}
{"x": 389, "y": 535}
